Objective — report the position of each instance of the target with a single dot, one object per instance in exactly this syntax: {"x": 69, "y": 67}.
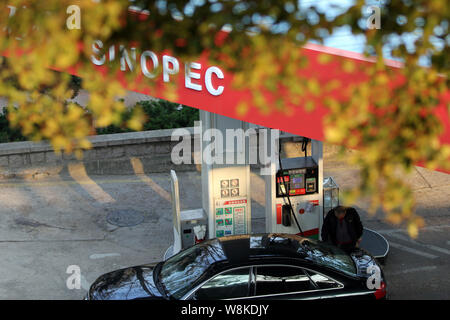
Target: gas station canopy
{"x": 210, "y": 88}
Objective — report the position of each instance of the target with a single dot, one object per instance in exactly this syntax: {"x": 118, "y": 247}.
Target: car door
{"x": 336, "y": 290}
{"x": 291, "y": 282}
{"x": 283, "y": 282}
{"x": 231, "y": 284}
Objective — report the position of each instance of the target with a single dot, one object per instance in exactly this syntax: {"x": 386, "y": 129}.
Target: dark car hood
{"x": 125, "y": 284}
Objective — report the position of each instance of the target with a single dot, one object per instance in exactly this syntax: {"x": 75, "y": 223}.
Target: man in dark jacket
{"x": 343, "y": 228}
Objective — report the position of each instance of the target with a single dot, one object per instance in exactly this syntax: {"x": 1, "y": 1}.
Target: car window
{"x": 281, "y": 279}
{"x": 180, "y": 273}
{"x": 327, "y": 255}
{"x": 228, "y": 285}
{"x": 322, "y": 282}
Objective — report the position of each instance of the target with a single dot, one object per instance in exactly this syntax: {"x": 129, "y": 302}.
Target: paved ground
{"x": 49, "y": 224}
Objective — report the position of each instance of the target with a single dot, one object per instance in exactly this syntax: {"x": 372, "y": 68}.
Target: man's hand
{"x": 358, "y": 242}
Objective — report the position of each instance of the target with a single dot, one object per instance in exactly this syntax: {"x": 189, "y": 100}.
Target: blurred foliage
{"x": 394, "y": 126}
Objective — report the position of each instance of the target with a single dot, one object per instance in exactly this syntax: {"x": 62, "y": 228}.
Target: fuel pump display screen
{"x": 297, "y": 181}
{"x": 294, "y": 181}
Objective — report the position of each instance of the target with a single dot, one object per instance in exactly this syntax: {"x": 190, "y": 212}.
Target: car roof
{"x": 276, "y": 247}
{"x": 248, "y": 249}
{"x": 241, "y": 248}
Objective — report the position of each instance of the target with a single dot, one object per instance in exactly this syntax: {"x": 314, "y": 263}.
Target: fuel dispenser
{"x": 294, "y": 196}
{"x": 294, "y": 190}
{"x": 225, "y": 173}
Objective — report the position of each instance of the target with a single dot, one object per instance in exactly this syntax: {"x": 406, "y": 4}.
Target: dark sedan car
{"x": 259, "y": 266}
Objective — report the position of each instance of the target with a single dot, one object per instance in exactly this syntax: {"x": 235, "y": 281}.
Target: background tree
{"x": 161, "y": 114}
{"x": 393, "y": 126}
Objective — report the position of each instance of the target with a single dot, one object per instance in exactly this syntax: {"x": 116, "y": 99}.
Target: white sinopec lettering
{"x": 208, "y": 81}
{"x": 125, "y": 58}
{"x": 167, "y": 70}
{"x": 189, "y": 75}
{"x": 97, "y": 49}
{"x": 155, "y": 62}
{"x": 149, "y": 64}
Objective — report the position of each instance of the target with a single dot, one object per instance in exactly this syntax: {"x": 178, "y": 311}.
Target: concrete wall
{"x": 122, "y": 153}
{"x": 113, "y": 154}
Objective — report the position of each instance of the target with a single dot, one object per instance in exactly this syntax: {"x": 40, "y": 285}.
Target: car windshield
{"x": 180, "y": 273}
{"x": 328, "y": 256}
